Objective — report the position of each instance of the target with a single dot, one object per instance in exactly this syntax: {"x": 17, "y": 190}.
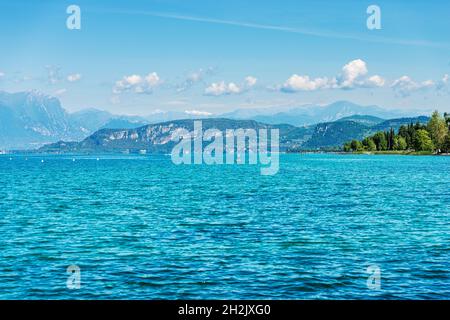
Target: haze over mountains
{"x": 157, "y": 138}
{"x": 312, "y": 114}
{"x": 29, "y": 120}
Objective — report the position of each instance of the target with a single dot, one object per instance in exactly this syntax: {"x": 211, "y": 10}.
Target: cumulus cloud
{"x": 198, "y": 113}
{"x": 375, "y": 81}
{"x": 304, "y": 83}
{"x": 443, "y": 83}
{"x": 223, "y": 88}
{"x": 194, "y": 78}
{"x": 2, "y": 74}
{"x": 250, "y": 81}
{"x": 137, "y": 83}
{"x": 74, "y": 77}
{"x": 404, "y": 86}
{"x": 354, "y": 75}
{"x": 55, "y": 76}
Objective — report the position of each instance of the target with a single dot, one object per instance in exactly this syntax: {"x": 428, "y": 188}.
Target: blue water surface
{"x": 140, "y": 227}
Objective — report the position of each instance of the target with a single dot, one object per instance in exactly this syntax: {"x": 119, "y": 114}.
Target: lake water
{"x": 140, "y": 227}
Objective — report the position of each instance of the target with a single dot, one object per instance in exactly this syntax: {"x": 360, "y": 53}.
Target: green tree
{"x": 380, "y": 141}
{"x": 405, "y": 133}
{"x": 400, "y": 143}
{"x": 438, "y": 130}
{"x": 356, "y": 145}
{"x": 390, "y": 135}
{"x": 446, "y": 146}
{"x": 447, "y": 119}
{"x": 371, "y": 146}
{"x": 347, "y": 147}
{"x": 411, "y": 136}
{"x": 423, "y": 141}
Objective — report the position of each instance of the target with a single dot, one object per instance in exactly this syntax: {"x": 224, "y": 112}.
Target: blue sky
{"x": 138, "y": 57}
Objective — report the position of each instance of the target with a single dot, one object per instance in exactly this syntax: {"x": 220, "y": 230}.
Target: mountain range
{"x": 30, "y": 120}
{"x": 312, "y": 114}
{"x": 157, "y": 138}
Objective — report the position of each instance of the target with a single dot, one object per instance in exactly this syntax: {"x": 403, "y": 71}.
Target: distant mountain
{"x": 31, "y": 119}
{"x": 124, "y": 123}
{"x": 312, "y": 114}
{"x": 396, "y": 123}
{"x": 156, "y": 138}
{"x": 334, "y": 134}
{"x": 90, "y": 120}
{"x": 363, "y": 119}
{"x": 162, "y": 116}
{"x": 330, "y": 135}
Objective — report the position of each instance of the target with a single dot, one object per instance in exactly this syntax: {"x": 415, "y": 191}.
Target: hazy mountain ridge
{"x": 330, "y": 135}
{"x": 157, "y": 138}
{"x": 31, "y": 119}
{"x": 313, "y": 114}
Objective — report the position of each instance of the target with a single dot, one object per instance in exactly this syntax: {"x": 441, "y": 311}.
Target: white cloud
{"x": 443, "y": 83}
{"x": 427, "y": 84}
{"x": 404, "y": 85}
{"x": 198, "y": 113}
{"x": 250, "y": 81}
{"x": 354, "y": 75}
{"x": 233, "y": 88}
{"x": 375, "y": 81}
{"x": 137, "y": 83}
{"x": 304, "y": 83}
{"x": 152, "y": 79}
{"x": 2, "y": 74}
{"x": 222, "y": 88}
{"x": 352, "y": 72}
{"x": 195, "y": 77}
{"x": 59, "y": 92}
{"x": 74, "y": 77}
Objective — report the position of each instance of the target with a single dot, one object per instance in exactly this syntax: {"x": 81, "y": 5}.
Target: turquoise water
{"x": 140, "y": 227}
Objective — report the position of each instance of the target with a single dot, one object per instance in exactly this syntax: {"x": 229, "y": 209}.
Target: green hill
{"x": 156, "y": 138}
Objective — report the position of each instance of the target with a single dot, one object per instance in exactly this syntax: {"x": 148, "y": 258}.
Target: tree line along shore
{"x": 430, "y": 138}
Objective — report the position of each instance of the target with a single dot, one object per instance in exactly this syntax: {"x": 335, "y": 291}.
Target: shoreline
{"x": 400, "y": 153}
{"x": 403, "y": 153}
